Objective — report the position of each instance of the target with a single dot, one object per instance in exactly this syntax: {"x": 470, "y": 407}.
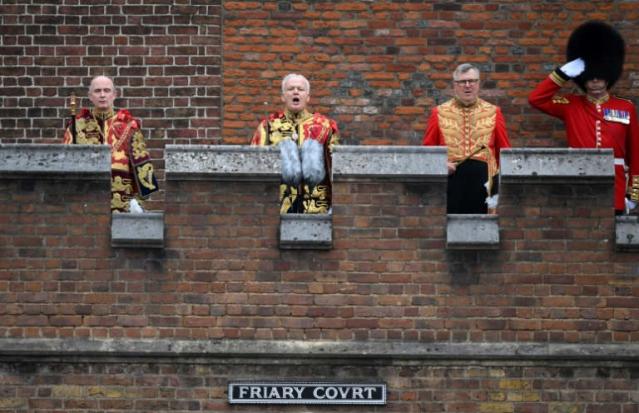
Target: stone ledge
{"x": 472, "y": 231}
{"x": 627, "y": 233}
{"x": 306, "y": 231}
{"x": 222, "y": 162}
{"x": 137, "y": 230}
{"x": 556, "y": 165}
{"x": 316, "y": 349}
{"x": 48, "y": 161}
{"x": 390, "y": 163}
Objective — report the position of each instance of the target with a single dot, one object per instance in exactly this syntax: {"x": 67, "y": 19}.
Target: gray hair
{"x": 463, "y": 68}
{"x": 292, "y": 75}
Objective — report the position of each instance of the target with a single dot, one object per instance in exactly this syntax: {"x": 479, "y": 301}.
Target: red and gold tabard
{"x": 466, "y": 129}
{"x": 609, "y": 122}
{"x": 300, "y": 127}
{"x": 131, "y": 168}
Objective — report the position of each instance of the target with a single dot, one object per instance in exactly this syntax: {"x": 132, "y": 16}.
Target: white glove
{"x": 574, "y": 68}
{"x": 630, "y": 205}
{"x": 492, "y": 201}
{"x": 134, "y": 207}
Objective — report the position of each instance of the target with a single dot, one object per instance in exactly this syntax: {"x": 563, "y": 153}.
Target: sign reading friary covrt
{"x": 306, "y": 393}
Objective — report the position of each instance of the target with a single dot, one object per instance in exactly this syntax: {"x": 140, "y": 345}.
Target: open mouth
{"x": 296, "y": 100}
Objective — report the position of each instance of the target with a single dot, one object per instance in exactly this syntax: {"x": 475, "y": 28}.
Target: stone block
{"x": 472, "y": 231}
{"x": 556, "y": 165}
{"x": 47, "y": 161}
{"x": 306, "y": 231}
{"x": 222, "y": 162}
{"x": 144, "y": 230}
{"x": 390, "y": 163}
{"x": 627, "y": 233}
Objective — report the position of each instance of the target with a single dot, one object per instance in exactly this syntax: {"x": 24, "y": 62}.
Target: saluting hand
{"x": 574, "y": 68}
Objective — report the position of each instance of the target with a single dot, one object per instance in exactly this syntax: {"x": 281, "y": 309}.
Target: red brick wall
{"x": 418, "y": 387}
{"x": 378, "y": 67}
{"x": 164, "y": 56}
{"x": 555, "y": 277}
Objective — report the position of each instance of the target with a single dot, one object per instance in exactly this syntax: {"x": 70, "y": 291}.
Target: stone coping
{"x": 291, "y": 349}
{"x": 222, "y": 162}
{"x": 627, "y": 233}
{"x": 390, "y": 163}
{"x": 556, "y": 165}
{"x": 50, "y": 161}
{"x": 472, "y": 231}
{"x": 306, "y": 231}
{"x": 129, "y": 230}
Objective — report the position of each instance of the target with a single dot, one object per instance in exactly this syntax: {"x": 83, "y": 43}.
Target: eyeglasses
{"x": 466, "y": 82}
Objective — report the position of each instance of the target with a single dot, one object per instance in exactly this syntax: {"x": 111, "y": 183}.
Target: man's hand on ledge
{"x": 452, "y": 167}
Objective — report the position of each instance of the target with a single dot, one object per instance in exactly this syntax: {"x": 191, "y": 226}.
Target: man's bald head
{"x": 102, "y": 93}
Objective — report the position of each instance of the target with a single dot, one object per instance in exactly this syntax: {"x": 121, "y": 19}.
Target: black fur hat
{"x": 601, "y": 47}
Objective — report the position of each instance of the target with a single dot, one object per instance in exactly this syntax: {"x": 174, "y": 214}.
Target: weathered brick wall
{"x": 136, "y": 386}
{"x": 165, "y": 58}
{"x": 556, "y": 277}
{"x": 378, "y": 67}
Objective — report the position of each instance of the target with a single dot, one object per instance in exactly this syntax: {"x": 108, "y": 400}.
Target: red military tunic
{"x": 609, "y": 122}
{"x": 300, "y": 127}
{"x": 131, "y": 168}
{"x": 465, "y": 129}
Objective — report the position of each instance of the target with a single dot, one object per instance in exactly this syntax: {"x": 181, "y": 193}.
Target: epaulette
{"x": 560, "y": 100}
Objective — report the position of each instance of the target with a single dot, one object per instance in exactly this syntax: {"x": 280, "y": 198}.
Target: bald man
{"x": 131, "y": 169}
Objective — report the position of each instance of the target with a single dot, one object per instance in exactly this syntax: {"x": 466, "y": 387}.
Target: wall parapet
{"x": 390, "y": 163}
{"x": 556, "y": 165}
{"x": 317, "y": 349}
{"x": 222, "y": 162}
{"x": 50, "y": 161}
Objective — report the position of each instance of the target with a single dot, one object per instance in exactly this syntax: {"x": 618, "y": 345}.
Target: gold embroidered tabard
{"x": 466, "y": 129}
{"x": 299, "y": 127}
{"x": 131, "y": 169}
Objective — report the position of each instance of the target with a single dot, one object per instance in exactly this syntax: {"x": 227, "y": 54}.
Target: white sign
{"x": 306, "y": 393}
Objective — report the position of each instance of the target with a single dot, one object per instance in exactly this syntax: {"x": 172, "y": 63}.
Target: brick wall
{"x": 555, "y": 278}
{"x": 378, "y": 67}
{"x": 164, "y": 56}
{"x": 136, "y": 386}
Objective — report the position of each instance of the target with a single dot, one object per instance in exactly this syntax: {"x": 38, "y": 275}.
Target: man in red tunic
{"x": 595, "y": 55}
{"x": 305, "y": 140}
{"x": 131, "y": 169}
{"x": 474, "y": 131}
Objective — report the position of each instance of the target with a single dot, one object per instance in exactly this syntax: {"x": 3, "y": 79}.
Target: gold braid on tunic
{"x": 467, "y": 128}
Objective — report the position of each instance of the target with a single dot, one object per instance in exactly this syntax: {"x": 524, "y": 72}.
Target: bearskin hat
{"x": 603, "y": 50}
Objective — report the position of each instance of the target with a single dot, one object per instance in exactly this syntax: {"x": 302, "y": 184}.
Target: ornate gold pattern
{"x": 117, "y": 203}
{"x": 139, "y": 148}
{"x": 634, "y": 191}
{"x": 555, "y": 77}
{"x": 467, "y": 128}
{"x": 300, "y": 127}
{"x": 126, "y": 152}
{"x": 145, "y": 175}
{"x": 119, "y": 184}
{"x": 560, "y": 100}
{"x": 598, "y": 101}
